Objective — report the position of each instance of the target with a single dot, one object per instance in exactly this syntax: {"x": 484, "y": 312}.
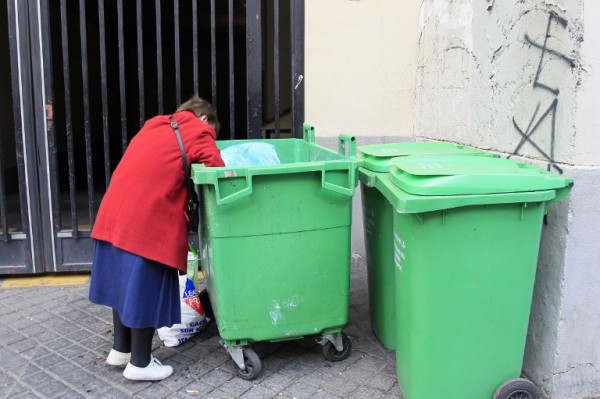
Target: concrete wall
{"x": 519, "y": 78}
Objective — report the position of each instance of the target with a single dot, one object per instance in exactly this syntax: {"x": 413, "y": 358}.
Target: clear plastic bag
{"x": 250, "y": 154}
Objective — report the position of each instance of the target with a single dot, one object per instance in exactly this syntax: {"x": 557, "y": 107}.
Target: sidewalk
{"x": 53, "y": 344}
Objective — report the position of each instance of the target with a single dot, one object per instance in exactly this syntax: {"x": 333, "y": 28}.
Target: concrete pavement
{"x": 54, "y": 342}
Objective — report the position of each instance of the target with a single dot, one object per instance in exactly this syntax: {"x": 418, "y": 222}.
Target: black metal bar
{"x": 231, "y": 74}
{"x": 68, "y": 117}
{"x": 159, "y": 63}
{"x": 3, "y": 216}
{"x": 86, "y": 109}
{"x": 213, "y": 52}
{"x": 276, "y": 67}
{"x": 122, "y": 94}
{"x": 177, "y": 53}
{"x": 13, "y": 35}
{"x": 140, "y": 53}
{"x": 297, "y": 47}
{"x": 3, "y": 219}
{"x": 254, "y": 68}
{"x": 49, "y": 108}
{"x": 43, "y": 111}
{"x": 104, "y": 92}
{"x": 195, "y": 44}
{"x": 21, "y": 90}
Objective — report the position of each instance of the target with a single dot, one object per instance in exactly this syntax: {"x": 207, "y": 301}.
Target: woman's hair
{"x": 200, "y": 107}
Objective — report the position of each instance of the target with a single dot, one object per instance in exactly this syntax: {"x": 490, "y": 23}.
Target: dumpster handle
{"x": 346, "y": 138}
{"x": 235, "y": 196}
{"x": 308, "y": 133}
{"x": 338, "y": 188}
{"x": 350, "y": 140}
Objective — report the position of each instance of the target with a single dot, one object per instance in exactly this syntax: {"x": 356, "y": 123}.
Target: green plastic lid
{"x": 404, "y": 202}
{"x": 458, "y": 175}
{"x": 381, "y": 157}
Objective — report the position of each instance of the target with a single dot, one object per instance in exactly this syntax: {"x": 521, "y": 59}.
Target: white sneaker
{"x": 154, "y": 371}
{"x": 119, "y": 359}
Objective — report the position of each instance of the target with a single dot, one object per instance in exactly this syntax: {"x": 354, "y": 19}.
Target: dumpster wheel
{"x": 253, "y": 365}
{"x": 331, "y": 353}
{"x": 517, "y": 388}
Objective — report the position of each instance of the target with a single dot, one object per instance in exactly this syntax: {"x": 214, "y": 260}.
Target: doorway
{"x": 85, "y": 75}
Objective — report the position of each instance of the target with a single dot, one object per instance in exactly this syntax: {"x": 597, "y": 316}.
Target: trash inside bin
{"x": 466, "y": 238}
{"x": 378, "y": 230}
{"x": 275, "y": 247}
{"x": 192, "y": 266}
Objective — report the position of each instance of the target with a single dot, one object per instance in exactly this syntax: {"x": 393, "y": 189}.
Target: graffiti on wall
{"x": 555, "y": 21}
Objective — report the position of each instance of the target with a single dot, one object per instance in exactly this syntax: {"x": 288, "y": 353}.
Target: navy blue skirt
{"x": 144, "y": 293}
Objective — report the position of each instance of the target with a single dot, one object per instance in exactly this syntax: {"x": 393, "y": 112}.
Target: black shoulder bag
{"x": 192, "y": 198}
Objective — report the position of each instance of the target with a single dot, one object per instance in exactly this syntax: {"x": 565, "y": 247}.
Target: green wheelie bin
{"x": 275, "y": 247}
{"x": 466, "y": 239}
{"x": 378, "y": 229}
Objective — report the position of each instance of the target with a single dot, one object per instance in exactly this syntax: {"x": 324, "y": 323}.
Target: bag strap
{"x": 184, "y": 161}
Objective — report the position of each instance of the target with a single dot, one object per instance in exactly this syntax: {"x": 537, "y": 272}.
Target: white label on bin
{"x": 399, "y": 255}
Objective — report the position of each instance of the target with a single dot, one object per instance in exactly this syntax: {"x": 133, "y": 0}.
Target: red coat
{"x": 143, "y": 210}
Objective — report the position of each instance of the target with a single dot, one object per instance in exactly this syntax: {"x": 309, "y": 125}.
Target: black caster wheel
{"x": 517, "y": 388}
{"x": 253, "y": 365}
{"x": 331, "y": 353}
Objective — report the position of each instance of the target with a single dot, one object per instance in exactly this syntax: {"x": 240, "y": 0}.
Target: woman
{"x": 141, "y": 234}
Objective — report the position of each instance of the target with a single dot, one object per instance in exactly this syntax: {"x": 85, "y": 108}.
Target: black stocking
{"x": 141, "y": 346}
{"x": 122, "y": 339}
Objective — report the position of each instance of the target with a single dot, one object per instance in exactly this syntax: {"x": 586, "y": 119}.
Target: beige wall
{"x": 360, "y": 66}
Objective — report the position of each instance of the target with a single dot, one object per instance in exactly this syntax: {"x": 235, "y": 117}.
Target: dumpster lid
{"x": 457, "y": 175}
{"x": 380, "y": 157}
{"x": 404, "y": 202}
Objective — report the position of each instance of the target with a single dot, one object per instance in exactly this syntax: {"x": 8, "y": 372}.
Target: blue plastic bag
{"x": 250, "y": 154}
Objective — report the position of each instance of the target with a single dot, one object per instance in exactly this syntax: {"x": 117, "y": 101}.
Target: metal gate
{"x": 84, "y": 75}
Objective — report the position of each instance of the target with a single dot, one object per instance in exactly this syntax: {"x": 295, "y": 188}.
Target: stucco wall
{"x": 359, "y": 66}
{"x": 518, "y": 78}
{"x": 496, "y": 74}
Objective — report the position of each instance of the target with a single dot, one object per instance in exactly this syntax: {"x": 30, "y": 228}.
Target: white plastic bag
{"x": 250, "y": 154}
{"x": 193, "y": 319}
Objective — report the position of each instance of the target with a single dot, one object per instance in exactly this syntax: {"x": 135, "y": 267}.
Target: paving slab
{"x": 54, "y": 343}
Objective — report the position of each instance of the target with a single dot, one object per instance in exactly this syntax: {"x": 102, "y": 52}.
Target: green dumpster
{"x": 275, "y": 247}
{"x": 466, "y": 239}
{"x": 378, "y": 229}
